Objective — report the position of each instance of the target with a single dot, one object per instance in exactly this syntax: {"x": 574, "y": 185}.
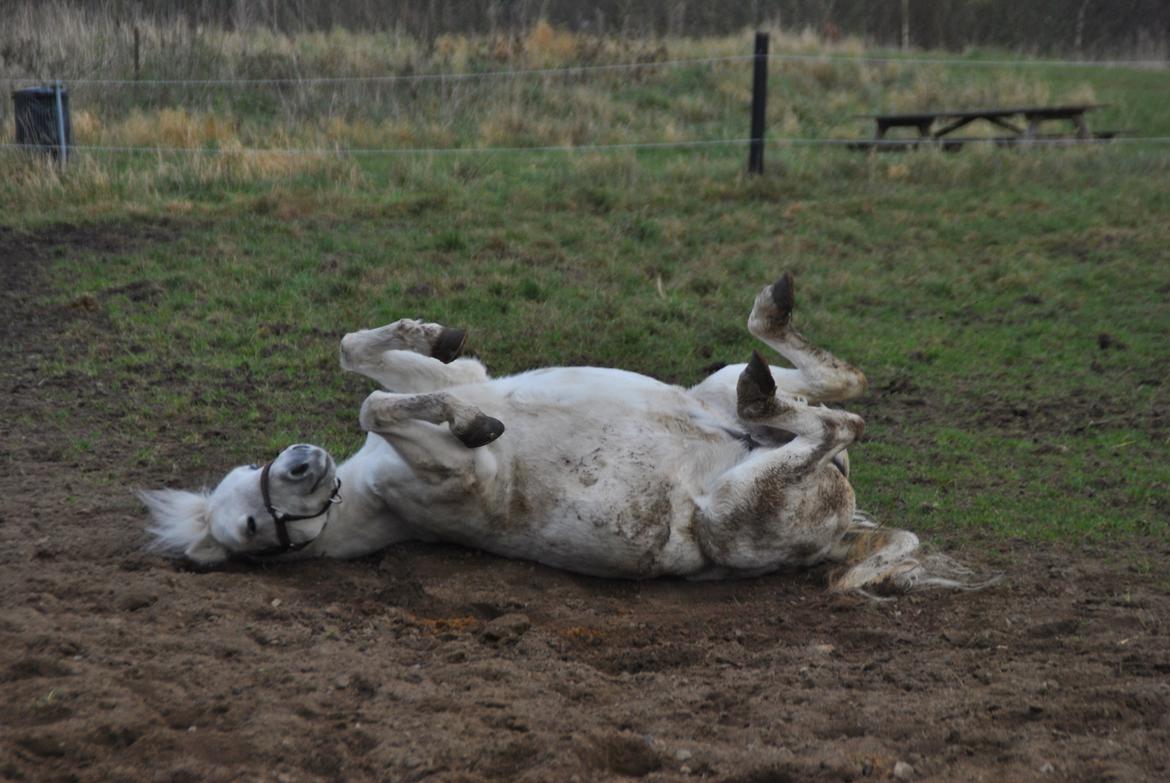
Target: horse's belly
{"x": 592, "y": 477}
{"x": 620, "y": 513}
{"x": 586, "y": 539}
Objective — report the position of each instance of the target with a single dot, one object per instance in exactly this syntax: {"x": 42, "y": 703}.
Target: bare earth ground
{"x": 436, "y": 663}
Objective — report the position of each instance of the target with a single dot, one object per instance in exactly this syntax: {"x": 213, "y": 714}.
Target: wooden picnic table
{"x": 1022, "y": 122}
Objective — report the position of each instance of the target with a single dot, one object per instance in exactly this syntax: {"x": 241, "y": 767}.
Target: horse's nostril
{"x": 299, "y": 470}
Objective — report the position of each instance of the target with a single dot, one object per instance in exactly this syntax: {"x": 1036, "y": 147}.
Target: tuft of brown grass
{"x": 581, "y": 633}
{"x": 172, "y": 127}
{"x": 545, "y": 46}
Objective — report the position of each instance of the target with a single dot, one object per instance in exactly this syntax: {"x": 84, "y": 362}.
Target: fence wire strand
{"x": 402, "y": 151}
{"x": 454, "y": 76}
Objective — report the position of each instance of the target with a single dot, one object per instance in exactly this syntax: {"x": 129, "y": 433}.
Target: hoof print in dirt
{"x": 506, "y": 629}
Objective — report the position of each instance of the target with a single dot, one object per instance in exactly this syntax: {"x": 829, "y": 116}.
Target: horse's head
{"x": 254, "y": 512}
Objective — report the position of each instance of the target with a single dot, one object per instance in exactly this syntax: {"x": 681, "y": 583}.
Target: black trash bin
{"x": 36, "y": 119}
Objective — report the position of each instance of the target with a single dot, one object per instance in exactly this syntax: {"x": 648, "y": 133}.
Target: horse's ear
{"x": 182, "y": 525}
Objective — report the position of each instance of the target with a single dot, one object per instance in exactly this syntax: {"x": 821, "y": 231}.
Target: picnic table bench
{"x": 1022, "y": 123}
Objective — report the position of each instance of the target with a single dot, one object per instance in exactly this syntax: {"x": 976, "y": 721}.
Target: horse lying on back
{"x": 598, "y": 471}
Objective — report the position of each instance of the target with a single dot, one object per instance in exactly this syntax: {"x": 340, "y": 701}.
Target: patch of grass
{"x": 1011, "y": 318}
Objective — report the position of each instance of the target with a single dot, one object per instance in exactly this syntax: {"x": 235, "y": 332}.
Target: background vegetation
{"x": 1097, "y": 28}
{"x": 1010, "y": 307}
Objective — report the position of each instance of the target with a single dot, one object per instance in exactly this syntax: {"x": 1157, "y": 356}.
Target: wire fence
{"x": 457, "y": 77}
{"x": 637, "y": 145}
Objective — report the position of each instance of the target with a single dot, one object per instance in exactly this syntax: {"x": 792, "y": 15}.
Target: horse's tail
{"x": 882, "y": 561}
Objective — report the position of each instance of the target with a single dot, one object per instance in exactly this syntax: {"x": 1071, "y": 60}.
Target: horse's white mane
{"x": 181, "y": 520}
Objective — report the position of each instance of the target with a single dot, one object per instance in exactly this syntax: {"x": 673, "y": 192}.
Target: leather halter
{"x": 281, "y": 519}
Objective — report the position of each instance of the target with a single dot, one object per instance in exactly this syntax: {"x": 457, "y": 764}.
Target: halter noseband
{"x": 281, "y": 519}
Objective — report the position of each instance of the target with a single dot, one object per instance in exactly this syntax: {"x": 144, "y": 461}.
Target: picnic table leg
{"x": 924, "y": 131}
{"x": 1082, "y": 127}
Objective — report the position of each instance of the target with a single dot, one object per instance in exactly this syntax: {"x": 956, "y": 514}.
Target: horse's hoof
{"x": 449, "y": 345}
{"x": 784, "y": 297}
{"x": 480, "y": 432}
{"x": 760, "y": 376}
{"x": 756, "y": 391}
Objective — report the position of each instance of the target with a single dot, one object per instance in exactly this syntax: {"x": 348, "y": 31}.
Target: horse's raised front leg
{"x": 411, "y": 356}
{"x": 383, "y": 411}
{"x": 413, "y": 424}
{"x": 786, "y": 506}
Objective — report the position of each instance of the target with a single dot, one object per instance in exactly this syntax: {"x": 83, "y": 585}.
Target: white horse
{"x": 599, "y": 471}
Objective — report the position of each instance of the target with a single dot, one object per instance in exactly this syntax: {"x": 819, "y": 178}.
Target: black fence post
{"x": 759, "y": 105}
{"x": 62, "y": 139}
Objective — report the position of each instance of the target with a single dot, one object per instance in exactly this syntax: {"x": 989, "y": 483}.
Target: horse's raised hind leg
{"x": 786, "y": 506}
{"x": 758, "y": 400}
{"x": 818, "y": 375}
{"x": 822, "y": 376}
{"x": 411, "y": 356}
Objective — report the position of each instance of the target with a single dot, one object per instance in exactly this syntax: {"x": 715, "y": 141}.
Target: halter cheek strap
{"x": 281, "y": 519}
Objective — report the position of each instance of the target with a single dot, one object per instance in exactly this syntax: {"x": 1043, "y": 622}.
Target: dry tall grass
{"x": 647, "y": 104}
{"x": 814, "y": 98}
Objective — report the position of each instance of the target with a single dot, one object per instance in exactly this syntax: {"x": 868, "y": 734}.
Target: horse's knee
{"x": 377, "y": 413}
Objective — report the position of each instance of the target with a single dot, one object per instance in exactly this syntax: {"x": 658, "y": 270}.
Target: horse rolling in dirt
{"x": 598, "y": 471}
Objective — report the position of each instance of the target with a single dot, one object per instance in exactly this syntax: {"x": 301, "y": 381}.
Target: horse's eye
{"x": 254, "y": 466}
{"x": 251, "y": 526}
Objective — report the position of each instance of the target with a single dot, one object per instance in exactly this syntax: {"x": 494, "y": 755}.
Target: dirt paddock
{"x": 438, "y": 663}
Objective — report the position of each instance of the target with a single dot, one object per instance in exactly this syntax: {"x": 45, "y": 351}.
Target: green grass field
{"x": 1011, "y": 308}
